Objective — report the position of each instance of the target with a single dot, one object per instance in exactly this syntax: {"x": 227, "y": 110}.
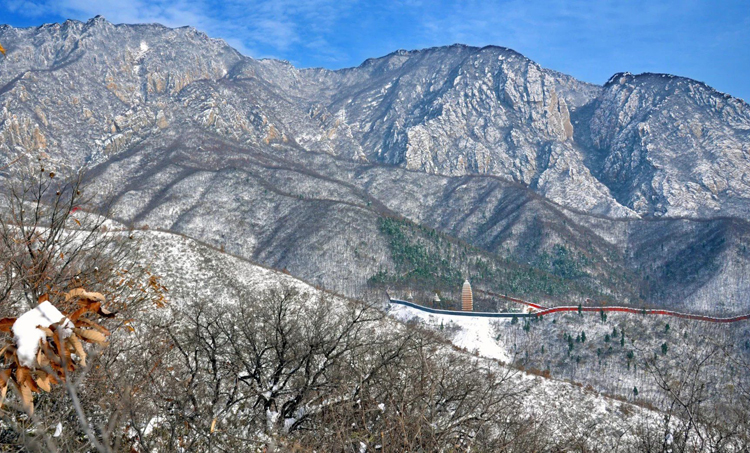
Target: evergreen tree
{"x": 583, "y": 337}
{"x": 664, "y": 348}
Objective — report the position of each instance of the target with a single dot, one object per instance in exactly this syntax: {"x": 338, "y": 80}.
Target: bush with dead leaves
{"x": 60, "y": 349}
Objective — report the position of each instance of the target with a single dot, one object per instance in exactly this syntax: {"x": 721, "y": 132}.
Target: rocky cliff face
{"x": 294, "y": 167}
{"x": 649, "y": 145}
{"x": 87, "y": 91}
{"x": 672, "y": 146}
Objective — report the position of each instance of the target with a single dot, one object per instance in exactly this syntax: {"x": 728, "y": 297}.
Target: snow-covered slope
{"x": 190, "y": 269}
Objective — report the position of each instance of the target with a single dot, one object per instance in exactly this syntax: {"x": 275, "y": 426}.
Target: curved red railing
{"x": 542, "y": 310}
{"x": 644, "y": 311}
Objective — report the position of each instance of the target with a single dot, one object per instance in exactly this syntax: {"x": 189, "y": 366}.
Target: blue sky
{"x": 591, "y": 40}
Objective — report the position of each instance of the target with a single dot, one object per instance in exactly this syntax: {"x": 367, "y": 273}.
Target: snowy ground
{"x": 190, "y": 269}
{"x": 473, "y": 334}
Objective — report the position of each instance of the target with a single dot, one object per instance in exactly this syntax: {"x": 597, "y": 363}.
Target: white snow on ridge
{"x": 475, "y": 334}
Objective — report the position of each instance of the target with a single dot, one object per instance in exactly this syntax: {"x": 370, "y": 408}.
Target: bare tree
{"x": 285, "y": 369}
{"x": 51, "y": 244}
{"x": 700, "y": 414}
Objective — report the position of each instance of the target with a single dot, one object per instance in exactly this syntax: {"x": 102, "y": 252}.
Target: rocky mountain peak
{"x": 649, "y": 144}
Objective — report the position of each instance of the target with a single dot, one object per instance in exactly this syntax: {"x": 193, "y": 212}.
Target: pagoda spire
{"x": 467, "y": 297}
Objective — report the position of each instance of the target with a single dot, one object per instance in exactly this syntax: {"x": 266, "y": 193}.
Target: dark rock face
{"x": 293, "y": 167}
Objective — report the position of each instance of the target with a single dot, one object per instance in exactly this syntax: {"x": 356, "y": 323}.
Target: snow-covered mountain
{"x": 294, "y": 167}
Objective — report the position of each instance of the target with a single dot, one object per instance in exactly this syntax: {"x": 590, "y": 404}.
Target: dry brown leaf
{"x": 22, "y": 374}
{"x": 41, "y": 359}
{"x": 42, "y": 381}
{"x": 78, "y": 347}
{"x": 91, "y": 305}
{"x": 51, "y": 357}
{"x": 6, "y": 324}
{"x": 32, "y": 384}
{"x": 4, "y": 376}
{"x": 69, "y": 360}
{"x": 27, "y": 398}
{"x": 77, "y": 314}
{"x": 47, "y": 331}
{"x": 43, "y": 298}
{"x": 94, "y": 325}
{"x": 83, "y": 294}
{"x": 92, "y": 336}
{"x": 10, "y": 352}
{"x": 77, "y": 292}
{"x": 59, "y": 346}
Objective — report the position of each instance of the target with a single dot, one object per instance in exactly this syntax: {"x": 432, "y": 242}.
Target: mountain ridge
{"x": 527, "y": 166}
